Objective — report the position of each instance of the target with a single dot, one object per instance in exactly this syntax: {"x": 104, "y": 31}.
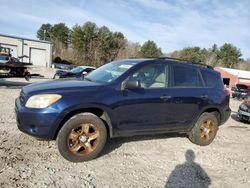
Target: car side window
{"x": 184, "y": 76}
{"x": 152, "y": 76}
{"x": 210, "y": 78}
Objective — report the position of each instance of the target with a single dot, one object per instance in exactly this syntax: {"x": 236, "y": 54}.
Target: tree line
{"x": 226, "y": 55}
{"x": 89, "y": 44}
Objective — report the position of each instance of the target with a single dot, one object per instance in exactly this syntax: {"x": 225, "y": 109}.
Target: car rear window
{"x": 185, "y": 76}
{"x": 211, "y": 79}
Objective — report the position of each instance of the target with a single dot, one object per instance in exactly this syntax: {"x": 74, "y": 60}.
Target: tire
{"x": 82, "y": 137}
{"x": 205, "y": 129}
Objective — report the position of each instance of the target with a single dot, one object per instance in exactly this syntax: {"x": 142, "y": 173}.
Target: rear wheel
{"x": 82, "y": 138}
{"x": 205, "y": 129}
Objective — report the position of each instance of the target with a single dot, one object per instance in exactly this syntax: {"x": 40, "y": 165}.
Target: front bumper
{"x": 41, "y": 123}
{"x": 242, "y": 115}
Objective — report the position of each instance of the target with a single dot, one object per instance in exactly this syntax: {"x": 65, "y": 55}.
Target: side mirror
{"x": 132, "y": 84}
{"x": 84, "y": 73}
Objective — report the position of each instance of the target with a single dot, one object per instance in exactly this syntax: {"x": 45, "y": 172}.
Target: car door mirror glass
{"x": 132, "y": 84}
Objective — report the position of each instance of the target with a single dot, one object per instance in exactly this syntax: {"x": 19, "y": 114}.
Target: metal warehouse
{"x": 234, "y": 76}
{"x": 38, "y": 52}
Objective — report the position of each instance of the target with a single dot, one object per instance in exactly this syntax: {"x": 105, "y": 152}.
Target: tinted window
{"x": 184, "y": 76}
{"x": 211, "y": 79}
{"x": 151, "y": 76}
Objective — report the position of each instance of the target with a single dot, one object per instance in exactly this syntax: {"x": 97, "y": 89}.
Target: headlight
{"x": 243, "y": 107}
{"x": 42, "y": 101}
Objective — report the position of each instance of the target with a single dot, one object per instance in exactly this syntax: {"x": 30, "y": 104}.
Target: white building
{"x": 39, "y": 52}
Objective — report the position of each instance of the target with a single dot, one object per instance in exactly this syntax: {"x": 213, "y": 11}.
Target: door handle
{"x": 165, "y": 97}
{"x": 204, "y": 96}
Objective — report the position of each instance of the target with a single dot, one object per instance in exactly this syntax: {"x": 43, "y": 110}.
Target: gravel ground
{"x": 145, "y": 161}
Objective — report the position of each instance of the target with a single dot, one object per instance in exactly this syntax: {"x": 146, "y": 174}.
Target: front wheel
{"x": 205, "y": 129}
{"x": 82, "y": 137}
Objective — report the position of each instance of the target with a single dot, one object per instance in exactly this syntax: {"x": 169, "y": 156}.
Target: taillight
{"x": 227, "y": 92}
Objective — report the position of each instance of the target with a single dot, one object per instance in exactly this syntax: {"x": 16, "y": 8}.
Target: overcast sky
{"x": 171, "y": 24}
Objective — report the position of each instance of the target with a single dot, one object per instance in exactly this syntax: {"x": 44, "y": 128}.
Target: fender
{"x": 218, "y": 108}
{"x": 72, "y": 110}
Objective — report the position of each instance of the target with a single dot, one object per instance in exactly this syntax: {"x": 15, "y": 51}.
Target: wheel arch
{"x": 209, "y": 109}
{"x": 102, "y": 114}
{"x": 216, "y": 111}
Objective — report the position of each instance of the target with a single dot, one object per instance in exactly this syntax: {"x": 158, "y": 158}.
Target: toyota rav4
{"x": 125, "y": 98}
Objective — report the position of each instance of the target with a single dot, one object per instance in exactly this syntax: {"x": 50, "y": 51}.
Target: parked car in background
{"x": 244, "y": 111}
{"x": 62, "y": 66}
{"x": 240, "y": 91}
{"x": 77, "y": 72}
{"x": 125, "y": 98}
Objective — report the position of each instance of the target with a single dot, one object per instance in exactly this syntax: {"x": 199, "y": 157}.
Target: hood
{"x": 58, "y": 86}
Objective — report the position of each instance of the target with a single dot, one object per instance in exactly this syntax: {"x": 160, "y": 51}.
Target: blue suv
{"x": 125, "y": 98}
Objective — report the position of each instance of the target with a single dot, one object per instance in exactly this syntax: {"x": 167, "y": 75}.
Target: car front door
{"x": 143, "y": 109}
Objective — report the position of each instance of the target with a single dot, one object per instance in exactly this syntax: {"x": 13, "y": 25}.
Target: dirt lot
{"x": 149, "y": 161}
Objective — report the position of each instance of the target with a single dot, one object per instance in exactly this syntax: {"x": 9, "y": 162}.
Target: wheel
{"x": 205, "y": 129}
{"x": 82, "y": 137}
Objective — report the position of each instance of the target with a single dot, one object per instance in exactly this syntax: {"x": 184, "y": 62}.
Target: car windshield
{"x": 76, "y": 70}
{"x": 111, "y": 71}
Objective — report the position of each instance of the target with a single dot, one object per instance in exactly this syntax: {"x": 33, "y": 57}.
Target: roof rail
{"x": 186, "y": 61}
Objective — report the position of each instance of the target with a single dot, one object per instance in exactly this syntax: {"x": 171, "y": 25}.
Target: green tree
{"x": 94, "y": 45}
{"x": 44, "y": 32}
{"x": 229, "y": 55}
{"x": 212, "y": 56}
{"x": 150, "y": 49}
{"x": 193, "y": 54}
{"x": 84, "y": 41}
{"x": 60, "y": 32}
{"x": 118, "y": 43}
{"x": 60, "y": 35}
{"x": 104, "y": 44}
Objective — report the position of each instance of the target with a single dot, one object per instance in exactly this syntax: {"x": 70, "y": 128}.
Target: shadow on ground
{"x": 189, "y": 174}
{"x": 13, "y": 84}
{"x": 115, "y": 143}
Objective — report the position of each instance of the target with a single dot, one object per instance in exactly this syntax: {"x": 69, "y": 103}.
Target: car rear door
{"x": 187, "y": 96}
